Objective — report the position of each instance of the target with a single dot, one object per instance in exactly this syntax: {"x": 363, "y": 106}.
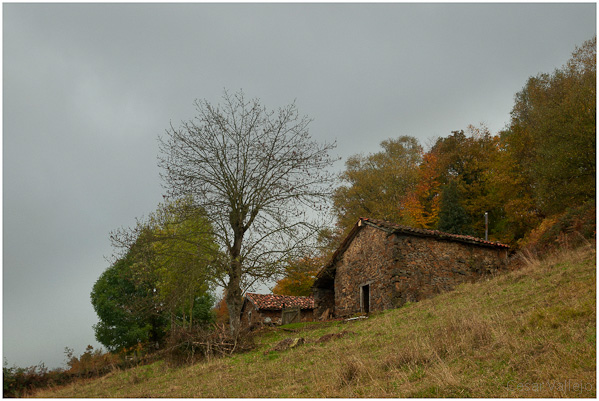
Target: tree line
{"x": 538, "y": 173}
{"x": 542, "y": 163}
{"x": 246, "y": 189}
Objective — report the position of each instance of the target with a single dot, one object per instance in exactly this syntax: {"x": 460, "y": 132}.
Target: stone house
{"x": 268, "y": 308}
{"x": 381, "y": 265}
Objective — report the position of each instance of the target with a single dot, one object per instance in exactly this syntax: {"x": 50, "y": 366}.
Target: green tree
{"x": 552, "y": 133}
{"x": 162, "y": 281}
{"x": 453, "y": 218}
{"x": 376, "y": 185}
{"x": 176, "y": 249}
{"x": 468, "y": 160}
{"x": 127, "y": 308}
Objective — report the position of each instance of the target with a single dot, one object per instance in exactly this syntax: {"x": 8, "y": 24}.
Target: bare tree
{"x": 258, "y": 175}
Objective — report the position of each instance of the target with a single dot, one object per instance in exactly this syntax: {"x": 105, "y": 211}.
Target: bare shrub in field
{"x": 20, "y": 382}
{"x": 530, "y": 259}
{"x": 91, "y": 363}
{"x": 186, "y": 346}
{"x": 570, "y": 229}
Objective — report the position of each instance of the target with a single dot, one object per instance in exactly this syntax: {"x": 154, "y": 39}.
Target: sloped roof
{"x": 277, "y": 302}
{"x": 398, "y": 228}
{"x": 327, "y": 272}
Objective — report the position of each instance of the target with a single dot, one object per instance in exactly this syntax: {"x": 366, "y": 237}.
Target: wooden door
{"x": 290, "y": 315}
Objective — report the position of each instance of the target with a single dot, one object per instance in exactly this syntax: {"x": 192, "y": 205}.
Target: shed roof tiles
{"x": 278, "y": 302}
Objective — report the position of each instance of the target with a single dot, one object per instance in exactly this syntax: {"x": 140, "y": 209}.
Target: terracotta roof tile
{"x": 276, "y": 302}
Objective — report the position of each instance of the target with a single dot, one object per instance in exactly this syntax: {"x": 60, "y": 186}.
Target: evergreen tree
{"x": 453, "y": 218}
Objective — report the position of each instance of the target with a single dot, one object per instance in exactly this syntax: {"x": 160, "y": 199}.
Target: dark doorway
{"x": 365, "y": 295}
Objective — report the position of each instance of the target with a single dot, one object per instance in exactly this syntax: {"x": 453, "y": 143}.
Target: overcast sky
{"x": 88, "y": 88}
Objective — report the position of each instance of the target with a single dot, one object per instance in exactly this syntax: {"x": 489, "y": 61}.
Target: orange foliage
{"x": 421, "y": 205}
{"x": 299, "y": 277}
{"x": 221, "y": 311}
{"x": 91, "y": 363}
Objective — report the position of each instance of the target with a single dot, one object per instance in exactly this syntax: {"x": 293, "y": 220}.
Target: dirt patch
{"x": 293, "y": 342}
{"x": 287, "y": 343}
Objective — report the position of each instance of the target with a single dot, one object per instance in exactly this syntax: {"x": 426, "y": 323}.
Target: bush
{"x": 190, "y": 345}
{"x": 91, "y": 363}
{"x": 570, "y": 229}
{"x": 19, "y": 382}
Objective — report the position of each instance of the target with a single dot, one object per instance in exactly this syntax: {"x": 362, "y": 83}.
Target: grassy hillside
{"x": 527, "y": 333}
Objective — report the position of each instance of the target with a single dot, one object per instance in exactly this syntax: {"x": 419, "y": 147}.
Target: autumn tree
{"x": 221, "y": 312}
{"x": 376, "y": 185}
{"x": 299, "y": 277}
{"x": 422, "y": 204}
{"x": 511, "y": 188}
{"x": 467, "y": 160}
{"x": 257, "y": 174}
{"x": 552, "y": 135}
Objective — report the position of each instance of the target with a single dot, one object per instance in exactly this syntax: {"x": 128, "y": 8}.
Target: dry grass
{"x": 528, "y": 333}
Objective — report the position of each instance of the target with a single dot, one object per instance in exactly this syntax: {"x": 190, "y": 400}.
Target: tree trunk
{"x": 191, "y": 304}
{"x": 234, "y": 303}
{"x": 233, "y": 293}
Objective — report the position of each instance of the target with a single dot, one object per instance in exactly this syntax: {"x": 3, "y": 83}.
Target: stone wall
{"x": 324, "y": 299}
{"x": 249, "y": 315}
{"x": 252, "y": 316}
{"x": 400, "y": 268}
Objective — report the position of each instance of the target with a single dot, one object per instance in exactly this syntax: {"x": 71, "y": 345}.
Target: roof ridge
{"x": 436, "y": 233}
{"x": 278, "y": 301}
{"x": 279, "y": 295}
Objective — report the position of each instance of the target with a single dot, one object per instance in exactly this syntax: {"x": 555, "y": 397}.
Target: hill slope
{"x": 527, "y": 333}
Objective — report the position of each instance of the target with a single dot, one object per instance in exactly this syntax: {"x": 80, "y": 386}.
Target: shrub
{"x": 19, "y": 382}
{"x": 185, "y": 345}
{"x": 570, "y": 229}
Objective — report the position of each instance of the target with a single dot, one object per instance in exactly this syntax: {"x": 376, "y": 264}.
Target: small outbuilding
{"x": 381, "y": 265}
{"x": 276, "y": 309}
